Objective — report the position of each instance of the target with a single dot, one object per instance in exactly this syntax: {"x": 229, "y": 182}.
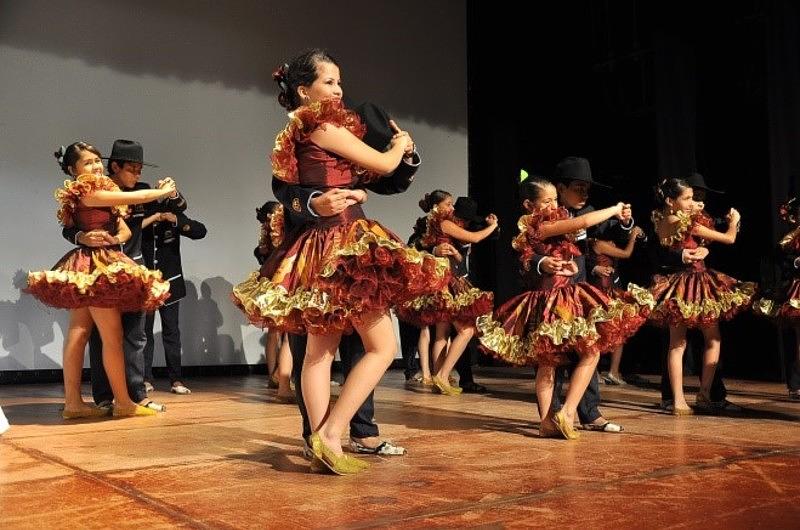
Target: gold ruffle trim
{"x": 766, "y": 307}
{"x": 451, "y": 303}
{"x": 261, "y": 297}
{"x": 527, "y": 241}
{"x": 725, "y": 301}
{"x": 517, "y": 350}
{"x": 276, "y": 223}
{"x": 790, "y": 239}
{"x": 433, "y": 227}
{"x": 272, "y": 230}
{"x": 521, "y": 240}
{"x": 85, "y": 280}
{"x": 70, "y": 195}
{"x": 512, "y": 348}
{"x": 302, "y": 122}
{"x": 770, "y": 308}
{"x": 428, "y": 239}
{"x": 684, "y": 224}
{"x": 381, "y": 239}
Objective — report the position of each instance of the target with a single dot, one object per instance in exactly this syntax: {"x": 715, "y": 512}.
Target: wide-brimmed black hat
{"x": 466, "y": 209}
{"x": 379, "y": 133}
{"x": 696, "y": 180}
{"x": 576, "y": 168}
{"x": 128, "y": 151}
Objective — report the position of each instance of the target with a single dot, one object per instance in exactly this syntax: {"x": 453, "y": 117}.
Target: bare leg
{"x": 109, "y": 324}
{"x": 80, "y": 327}
{"x": 316, "y": 377}
{"x": 578, "y": 383}
{"x": 439, "y": 345}
{"x": 677, "y": 345}
{"x": 456, "y": 349}
{"x": 380, "y": 345}
{"x": 545, "y": 380}
{"x": 284, "y": 368}
{"x": 710, "y": 358}
{"x": 271, "y": 351}
{"x": 616, "y": 358}
{"x": 424, "y": 349}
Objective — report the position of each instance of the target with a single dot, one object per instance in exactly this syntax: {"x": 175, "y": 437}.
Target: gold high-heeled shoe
{"x": 357, "y": 463}
{"x": 565, "y": 426}
{"x": 138, "y": 410}
{"x": 445, "y": 388}
{"x": 341, "y": 465}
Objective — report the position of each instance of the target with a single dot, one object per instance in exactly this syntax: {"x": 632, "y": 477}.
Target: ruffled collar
{"x": 433, "y": 227}
{"x": 529, "y": 240}
{"x": 684, "y": 224}
{"x": 69, "y": 197}
{"x": 302, "y": 122}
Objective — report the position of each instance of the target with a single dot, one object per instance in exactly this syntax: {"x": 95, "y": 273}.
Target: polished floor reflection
{"x": 228, "y": 456}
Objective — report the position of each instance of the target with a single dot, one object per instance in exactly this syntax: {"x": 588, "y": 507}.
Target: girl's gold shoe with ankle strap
{"x": 341, "y": 465}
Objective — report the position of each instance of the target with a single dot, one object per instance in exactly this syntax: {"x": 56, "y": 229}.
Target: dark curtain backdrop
{"x": 643, "y": 90}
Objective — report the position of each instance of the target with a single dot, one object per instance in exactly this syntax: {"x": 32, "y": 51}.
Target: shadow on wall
{"x": 192, "y": 45}
{"x": 210, "y": 325}
{"x": 31, "y": 333}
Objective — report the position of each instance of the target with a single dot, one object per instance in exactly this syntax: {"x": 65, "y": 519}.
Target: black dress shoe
{"x": 474, "y": 388}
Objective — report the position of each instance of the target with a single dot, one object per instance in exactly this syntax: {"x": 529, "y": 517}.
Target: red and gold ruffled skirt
{"x": 542, "y": 327}
{"x": 698, "y": 298}
{"x": 786, "y": 308}
{"x": 330, "y": 278}
{"x": 99, "y": 277}
{"x": 459, "y": 302}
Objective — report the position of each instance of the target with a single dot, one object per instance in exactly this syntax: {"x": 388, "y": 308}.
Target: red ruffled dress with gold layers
{"x": 787, "y": 304}
{"x": 558, "y": 316}
{"x": 460, "y": 301}
{"x": 692, "y": 295}
{"x": 101, "y": 276}
{"x": 339, "y": 268}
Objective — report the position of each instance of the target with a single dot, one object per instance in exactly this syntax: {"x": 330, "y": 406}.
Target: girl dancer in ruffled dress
{"x": 690, "y": 295}
{"x": 97, "y": 284}
{"x": 343, "y": 272}
{"x": 556, "y": 316}
{"x": 461, "y": 303}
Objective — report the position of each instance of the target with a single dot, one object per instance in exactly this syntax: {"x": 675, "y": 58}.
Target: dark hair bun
{"x": 424, "y": 203}
{"x": 432, "y": 199}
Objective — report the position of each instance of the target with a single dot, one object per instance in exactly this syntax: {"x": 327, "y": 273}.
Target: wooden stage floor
{"x": 228, "y": 456}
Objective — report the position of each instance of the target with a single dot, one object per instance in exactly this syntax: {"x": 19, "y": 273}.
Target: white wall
{"x": 192, "y": 82}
